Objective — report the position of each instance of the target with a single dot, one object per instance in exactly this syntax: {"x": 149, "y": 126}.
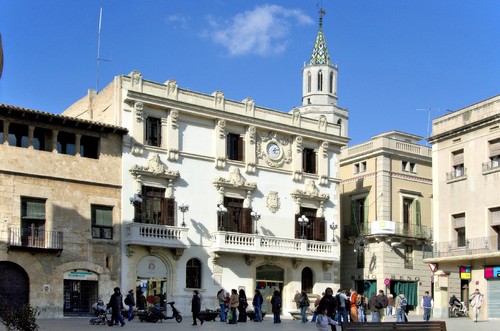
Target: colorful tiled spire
{"x": 320, "y": 52}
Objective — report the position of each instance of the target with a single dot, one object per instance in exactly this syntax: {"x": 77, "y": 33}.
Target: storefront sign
{"x": 492, "y": 272}
{"x": 81, "y": 275}
{"x": 465, "y": 272}
{"x": 389, "y": 279}
{"x": 383, "y": 227}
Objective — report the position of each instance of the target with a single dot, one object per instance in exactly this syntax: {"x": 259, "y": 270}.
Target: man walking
{"x": 383, "y": 301}
{"x": 476, "y": 301}
{"x": 427, "y": 304}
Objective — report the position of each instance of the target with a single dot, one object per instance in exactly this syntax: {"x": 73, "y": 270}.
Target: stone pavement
{"x": 78, "y": 324}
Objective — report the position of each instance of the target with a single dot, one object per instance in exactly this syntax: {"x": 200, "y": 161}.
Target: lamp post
{"x": 183, "y": 207}
{"x": 135, "y": 199}
{"x": 255, "y": 217}
{"x": 221, "y": 211}
{"x": 303, "y": 220}
{"x": 334, "y": 227}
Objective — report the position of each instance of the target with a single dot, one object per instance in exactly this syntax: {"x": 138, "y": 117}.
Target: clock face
{"x": 273, "y": 151}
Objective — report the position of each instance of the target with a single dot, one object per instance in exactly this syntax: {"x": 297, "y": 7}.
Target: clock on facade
{"x": 273, "y": 151}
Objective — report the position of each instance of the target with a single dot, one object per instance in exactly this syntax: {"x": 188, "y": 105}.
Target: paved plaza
{"x": 288, "y": 324}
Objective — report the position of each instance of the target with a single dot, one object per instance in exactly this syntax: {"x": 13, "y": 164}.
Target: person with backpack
{"x": 304, "y": 304}
{"x": 129, "y": 300}
{"x": 341, "y": 306}
{"x": 257, "y": 305}
{"x": 401, "y": 303}
{"x": 427, "y": 304}
{"x": 276, "y": 306}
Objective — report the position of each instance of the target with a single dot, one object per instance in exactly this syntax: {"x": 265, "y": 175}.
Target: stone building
{"x": 466, "y": 177}
{"x": 60, "y": 210}
{"x": 386, "y": 209}
{"x": 261, "y": 187}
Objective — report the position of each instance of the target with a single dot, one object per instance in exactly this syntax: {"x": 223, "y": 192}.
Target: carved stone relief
{"x": 273, "y": 201}
{"x": 283, "y": 142}
{"x": 138, "y": 108}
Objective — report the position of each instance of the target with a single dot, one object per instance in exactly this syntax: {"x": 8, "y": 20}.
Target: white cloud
{"x": 263, "y": 30}
{"x": 178, "y": 20}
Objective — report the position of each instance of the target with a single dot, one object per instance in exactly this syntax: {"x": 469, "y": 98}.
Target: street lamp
{"x": 135, "y": 199}
{"x": 221, "y": 211}
{"x": 303, "y": 220}
{"x": 334, "y": 227}
{"x": 255, "y": 217}
{"x": 183, "y": 207}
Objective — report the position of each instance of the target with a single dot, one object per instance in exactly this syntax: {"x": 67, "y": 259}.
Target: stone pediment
{"x": 235, "y": 180}
{"x": 153, "y": 168}
{"x": 310, "y": 192}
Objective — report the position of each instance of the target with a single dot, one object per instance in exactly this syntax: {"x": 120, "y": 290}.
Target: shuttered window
{"x": 458, "y": 157}
{"x": 495, "y": 148}
{"x": 495, "y": 216}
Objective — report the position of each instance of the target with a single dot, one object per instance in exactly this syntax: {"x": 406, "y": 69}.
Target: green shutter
{"x": 418, "y": 214}
{"x": 103, "y": 216}
{"x": 366, "y": 209}
{"x": 35, "y": 209}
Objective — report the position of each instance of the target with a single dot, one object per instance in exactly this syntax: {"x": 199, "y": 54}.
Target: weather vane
{"x": 321, "y": 13}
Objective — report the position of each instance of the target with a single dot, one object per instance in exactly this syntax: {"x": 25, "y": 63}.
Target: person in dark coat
{"x": 276, "y": 306}
{"x": 330, "y": 302}
{"x": 242, "y": 307}
{"x": 131, "y": 303}
{"x": 116, "y": 305}
{"x": 196, "y": 308}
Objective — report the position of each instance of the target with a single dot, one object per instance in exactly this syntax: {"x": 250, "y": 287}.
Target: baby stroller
{"x": 99, "y": 314}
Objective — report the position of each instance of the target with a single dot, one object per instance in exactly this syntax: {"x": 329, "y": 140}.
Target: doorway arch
{"x": 307, "y": 280}
{"x": 269, "y": 278}
{"x": 15, "y": 284}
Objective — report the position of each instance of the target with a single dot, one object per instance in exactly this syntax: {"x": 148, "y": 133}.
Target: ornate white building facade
{"x": 248, "y": 174}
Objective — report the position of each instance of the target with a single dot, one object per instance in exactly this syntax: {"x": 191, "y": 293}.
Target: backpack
{"x": 277, "y": 302}
{"x": 403, "y": 303}
{"x": 127, "y": 300}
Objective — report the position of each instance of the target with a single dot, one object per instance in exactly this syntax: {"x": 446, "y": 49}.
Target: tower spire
{"x": 320, "y": 51}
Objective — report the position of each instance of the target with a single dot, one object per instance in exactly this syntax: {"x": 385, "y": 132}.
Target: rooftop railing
{"x": 471, "y": 246}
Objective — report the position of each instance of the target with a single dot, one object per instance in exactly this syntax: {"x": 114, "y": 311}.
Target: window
{"x": 458, "y": 163}
{"x": 408, "y": 257}
{"x": 360, "y": 167}
{"x": 309, "y": 160}
{"x": 155, "y": 208}
{"x": 32, "y": 222}
{"x": 459, "y": 225}
{"x": 314, "y": 229}
{"x": 320, "y": 80}
{"x": 407, "y": 210}
{"x": 18, "y": 135}
{"x": 237, "y": 218}
{"x": 193, "y": 273}
{"x": 495, "y": 153}
{"x": 66, "y": 143}
{"x": 153, "y": 131}
{"x": 234, "y": 147}
{"x": 360, "y": 258}
{"x": 359, "y": 211}
{"x": 330, "y": 85}
{"x": 308, "y": 82}
{"x": 408, "y": 166}
{"x": 363, "y": 166}
{"x": 495, "y": 223}
{"x": 356, "y": 168}
{"x": 102, "y": 222}
{"x": 89, "y": 147}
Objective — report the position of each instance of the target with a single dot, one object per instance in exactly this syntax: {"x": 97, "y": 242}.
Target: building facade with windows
{"x": 466, "y": 176}
{"x": 60, "y": 209}
{"x": 386, "y": 197}
{"x": 247, "y": 174}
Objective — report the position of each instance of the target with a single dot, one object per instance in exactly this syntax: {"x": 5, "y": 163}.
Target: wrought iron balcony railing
{"x": 471, "y": 246}
{"x": 456, "y": 173}
{"x": 23, "y": 239}
{"x": 400, "y": 229}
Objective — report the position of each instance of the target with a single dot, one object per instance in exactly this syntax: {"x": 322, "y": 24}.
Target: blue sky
{"x": 395, "y": 57}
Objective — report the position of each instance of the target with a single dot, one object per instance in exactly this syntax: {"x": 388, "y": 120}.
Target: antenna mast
{"x": 429, "y": 110}
{"x": 98, "y": 50}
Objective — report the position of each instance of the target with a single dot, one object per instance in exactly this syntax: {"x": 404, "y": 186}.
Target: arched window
{"x": 339, "y": 122}
{"x": 320, "y": 80}
{"x": 193, "y": 273}
{"x": 308, "y": 82}
{"x": 307, "y": 280}
{"x": 331, "y": 82}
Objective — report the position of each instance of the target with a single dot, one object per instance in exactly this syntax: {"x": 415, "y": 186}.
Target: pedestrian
{"x": 242, "y": 306}
{"x": 276, "y": 306}
{"x": 427, "y": 303}
{"x": 476, "y": 301}
{"x": 373, "y": 307}
{"x": 353, "y": 307}
{"x": 316, "y": 304}
{"x": 296, "y": 298}
{"x": 221, "y": 298}
{"x": 390, "y": 304}
{"x": 141, "y": 302}
{"x": 257, "y": 306}
{"x": 341, "y": 307}
{"x": 130, "y": 301}
{"x": 116, "y": 305}
{"x": 361, "y": 304}
{"x": 383, "y": 302}
{"x": 196, "y": 308}
{"x": 233, "y": 305}
{"x": 323, "y": 320}
{"x": 400, "y": 305}
{"x": 330, "y": 302}
{"x": 303, "y": 305}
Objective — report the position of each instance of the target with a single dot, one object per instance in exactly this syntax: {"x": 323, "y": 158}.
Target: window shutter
{"x": 319, "y": 229}
{"x": 366, "y": 209}
{"x": 495, "y": 216}
{"x": 35, "y": 209}
{"x": 495, "y": 148}
{"x": 458, "y": 157}
{"x": 168, "y": 212}
{"x": 418, "y": 213}
{"x": 240, "y": 149}
{"x": 103, "y": 216}
{"x": 353, "y": 212}
{"x": 246, "y": 220}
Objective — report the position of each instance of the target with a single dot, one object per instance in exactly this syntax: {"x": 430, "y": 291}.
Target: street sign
{"x": 433, "y": 267}
{"x": 387, "y": 281}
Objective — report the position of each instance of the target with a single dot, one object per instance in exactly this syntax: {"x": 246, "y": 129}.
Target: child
{"x": 322, "y": 320}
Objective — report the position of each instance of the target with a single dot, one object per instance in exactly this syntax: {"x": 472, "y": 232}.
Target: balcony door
{"x": 32, "y": 222}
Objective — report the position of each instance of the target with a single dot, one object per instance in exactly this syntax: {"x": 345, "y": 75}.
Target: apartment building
{"x": 386, "y": 209}
{"x": 466, "y": 177}
{"x": 219, "y": 193}
{"x": 60, "y": 210}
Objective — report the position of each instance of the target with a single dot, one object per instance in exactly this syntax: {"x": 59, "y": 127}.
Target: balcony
{"x": 398, "y": 229}
{"x": 456, "y": 174}
{"x": 253, "y": 244}
{"x": 154, "y": 235}
{"x": 34, "y": 241}
{"x": 458, "y": 249}
{"x": 491, "y": 166}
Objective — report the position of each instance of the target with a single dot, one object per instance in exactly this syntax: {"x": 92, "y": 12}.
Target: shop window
{"x": 89, "y": 147}
{"x": 153, "y": 131}
{"x": 66, "y": 143}
{"x": 193, "y": 273}
{"x": 102, "y": 222}
{"x": 309, "y": 160}
{"x": 234, "y": 146}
